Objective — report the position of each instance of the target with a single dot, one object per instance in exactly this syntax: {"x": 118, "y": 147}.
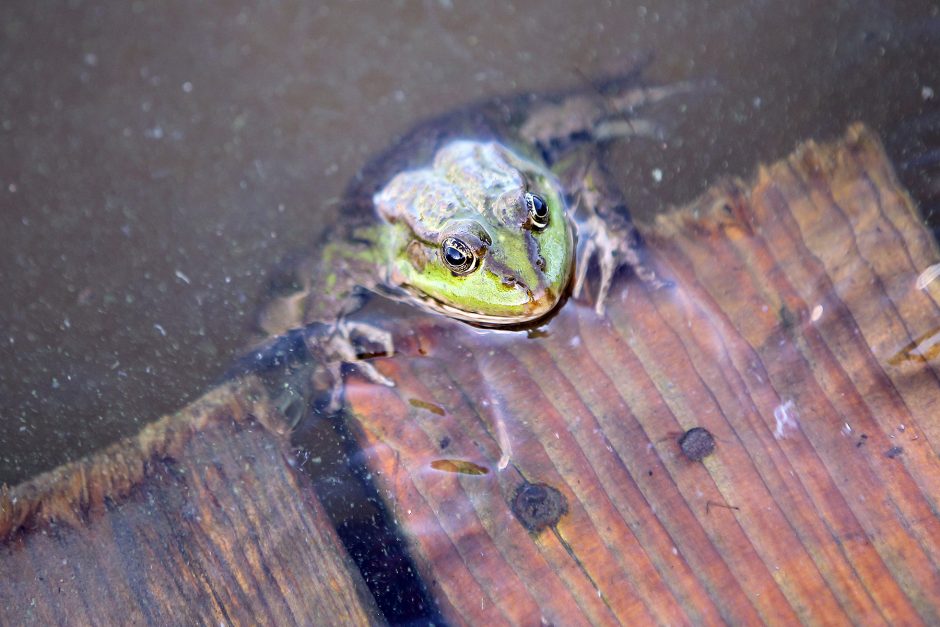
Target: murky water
{"x": 157, "y": 160}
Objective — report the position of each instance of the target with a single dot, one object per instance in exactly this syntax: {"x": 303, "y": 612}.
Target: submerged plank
{"x": 202, "y": 518}
{"x": 541, "y": 476}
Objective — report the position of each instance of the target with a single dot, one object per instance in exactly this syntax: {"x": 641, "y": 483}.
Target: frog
{"x": 490, "y": 215}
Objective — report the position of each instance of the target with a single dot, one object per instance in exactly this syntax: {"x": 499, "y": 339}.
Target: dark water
{"x": 157, "y": 159}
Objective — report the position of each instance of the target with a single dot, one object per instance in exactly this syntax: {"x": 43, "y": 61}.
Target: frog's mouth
{"x": 540, "y": 304}
{"x": 537, "y": 312}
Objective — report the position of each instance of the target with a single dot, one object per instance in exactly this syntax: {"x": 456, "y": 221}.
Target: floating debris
{"x": 922, "y": 349}
{"x": 697, "y": 443}
{"x": 459, "y": 466}
{"x": 927, "y": 276}
{"x": 431, "y": 407}
{"x": 784, "y": 419}
{"x": 538, "y": 506}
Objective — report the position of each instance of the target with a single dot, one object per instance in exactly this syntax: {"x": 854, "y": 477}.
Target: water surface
{"x": 157, "y": 160}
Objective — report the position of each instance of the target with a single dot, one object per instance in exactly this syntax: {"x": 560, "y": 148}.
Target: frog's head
{"x": 481, "y": 235}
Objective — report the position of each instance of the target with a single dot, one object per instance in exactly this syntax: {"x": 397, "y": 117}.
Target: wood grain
{"x": 201, "y": 519}
{"x": 796, "y": 334}
{"x": 819, "y": 505}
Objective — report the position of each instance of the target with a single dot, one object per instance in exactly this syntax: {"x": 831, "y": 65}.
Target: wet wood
{"x": 794, "y": 297}
{"x": 200, "y": 519}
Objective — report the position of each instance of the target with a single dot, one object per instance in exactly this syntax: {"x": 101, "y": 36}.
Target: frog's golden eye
{"x": 457, "y": 256}
{"x": 538, "y": 210}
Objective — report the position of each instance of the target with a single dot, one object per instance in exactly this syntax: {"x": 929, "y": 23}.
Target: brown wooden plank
{"x": 819, "y": 504}
{"x": 199, "y": 519}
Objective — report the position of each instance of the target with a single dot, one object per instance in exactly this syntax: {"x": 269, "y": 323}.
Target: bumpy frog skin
{"x": 464, "y": 216}
{"x": 481, "y": 234}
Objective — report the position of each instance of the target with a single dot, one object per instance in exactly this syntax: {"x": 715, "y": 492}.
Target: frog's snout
{"x": 538, "y": 301}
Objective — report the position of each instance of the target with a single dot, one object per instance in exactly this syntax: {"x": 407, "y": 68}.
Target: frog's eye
{"x": 457, "y": 256}
{"x": 538, "y": 210}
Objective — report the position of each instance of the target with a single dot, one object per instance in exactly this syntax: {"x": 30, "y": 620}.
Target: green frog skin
{"x": 488, "y": 215}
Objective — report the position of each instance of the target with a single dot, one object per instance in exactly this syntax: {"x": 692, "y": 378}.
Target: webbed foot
{"x": 305, "y": 365}
{"x": 614, "y": 247}
{"x": 341, "y": 347}
{"x": 605, "y": 231}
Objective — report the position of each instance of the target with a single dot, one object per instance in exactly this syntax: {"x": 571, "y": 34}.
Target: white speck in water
{"x": 182, "y": 277}
{"x": 91, "y": 59}
{"x": 817, "y": 313}
{"x": 784, "y": 419}
{"x": 399, "y": 95}
{"x": 927, "y": 276}
{"x": 154, "y": 133}
{"x": 12, "y": 187}
{"x": 846, "y": 428}
{"x": 55, "y": 383}
{"x": 657, "y": 175}
{"x": 331, "y": 169}
{"x": 575, "y": 341}
{"x": 187, "y": 87}
{"x": 926, "y": 92}
{"x": 901, "y": 428}
{"x": 505, "y": 444}
{"x": 160, "y": 329}
{"x": 757, "y": 102}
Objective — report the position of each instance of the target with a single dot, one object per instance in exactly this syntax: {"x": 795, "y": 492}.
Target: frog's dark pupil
{"x": 539, "y": 208}
{"x": 454, "y": 255}
{"x": 457, "y": 255}
{"x": 538, "y": 211}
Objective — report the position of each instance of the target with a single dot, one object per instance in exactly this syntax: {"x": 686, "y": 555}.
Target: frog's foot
{"x": 614, "y": 246}
{"x": 303, "y": 366}
{"x": 340, "y": 347}
{"x": 342, "y": 341}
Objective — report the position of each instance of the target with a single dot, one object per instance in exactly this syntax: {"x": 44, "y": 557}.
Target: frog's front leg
{"x": 306, "y": 364}
{"x": 605, "y": 230}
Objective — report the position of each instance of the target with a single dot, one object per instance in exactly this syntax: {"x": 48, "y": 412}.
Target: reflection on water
{"x": 148, "y": 189}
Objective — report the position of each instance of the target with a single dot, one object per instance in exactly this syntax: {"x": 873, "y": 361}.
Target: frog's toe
{"x": 584, "y": 260}
{"x": 345, "y": 348}
{"x": 372, "y": 374}
{"x": 370, "y": 333}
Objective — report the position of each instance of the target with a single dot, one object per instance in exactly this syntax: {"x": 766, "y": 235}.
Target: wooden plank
{"x": 794, "y": 298}
{"x": 201, "y": 518}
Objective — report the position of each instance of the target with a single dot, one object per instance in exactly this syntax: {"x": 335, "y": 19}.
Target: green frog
{"x": 490, "y": 215}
